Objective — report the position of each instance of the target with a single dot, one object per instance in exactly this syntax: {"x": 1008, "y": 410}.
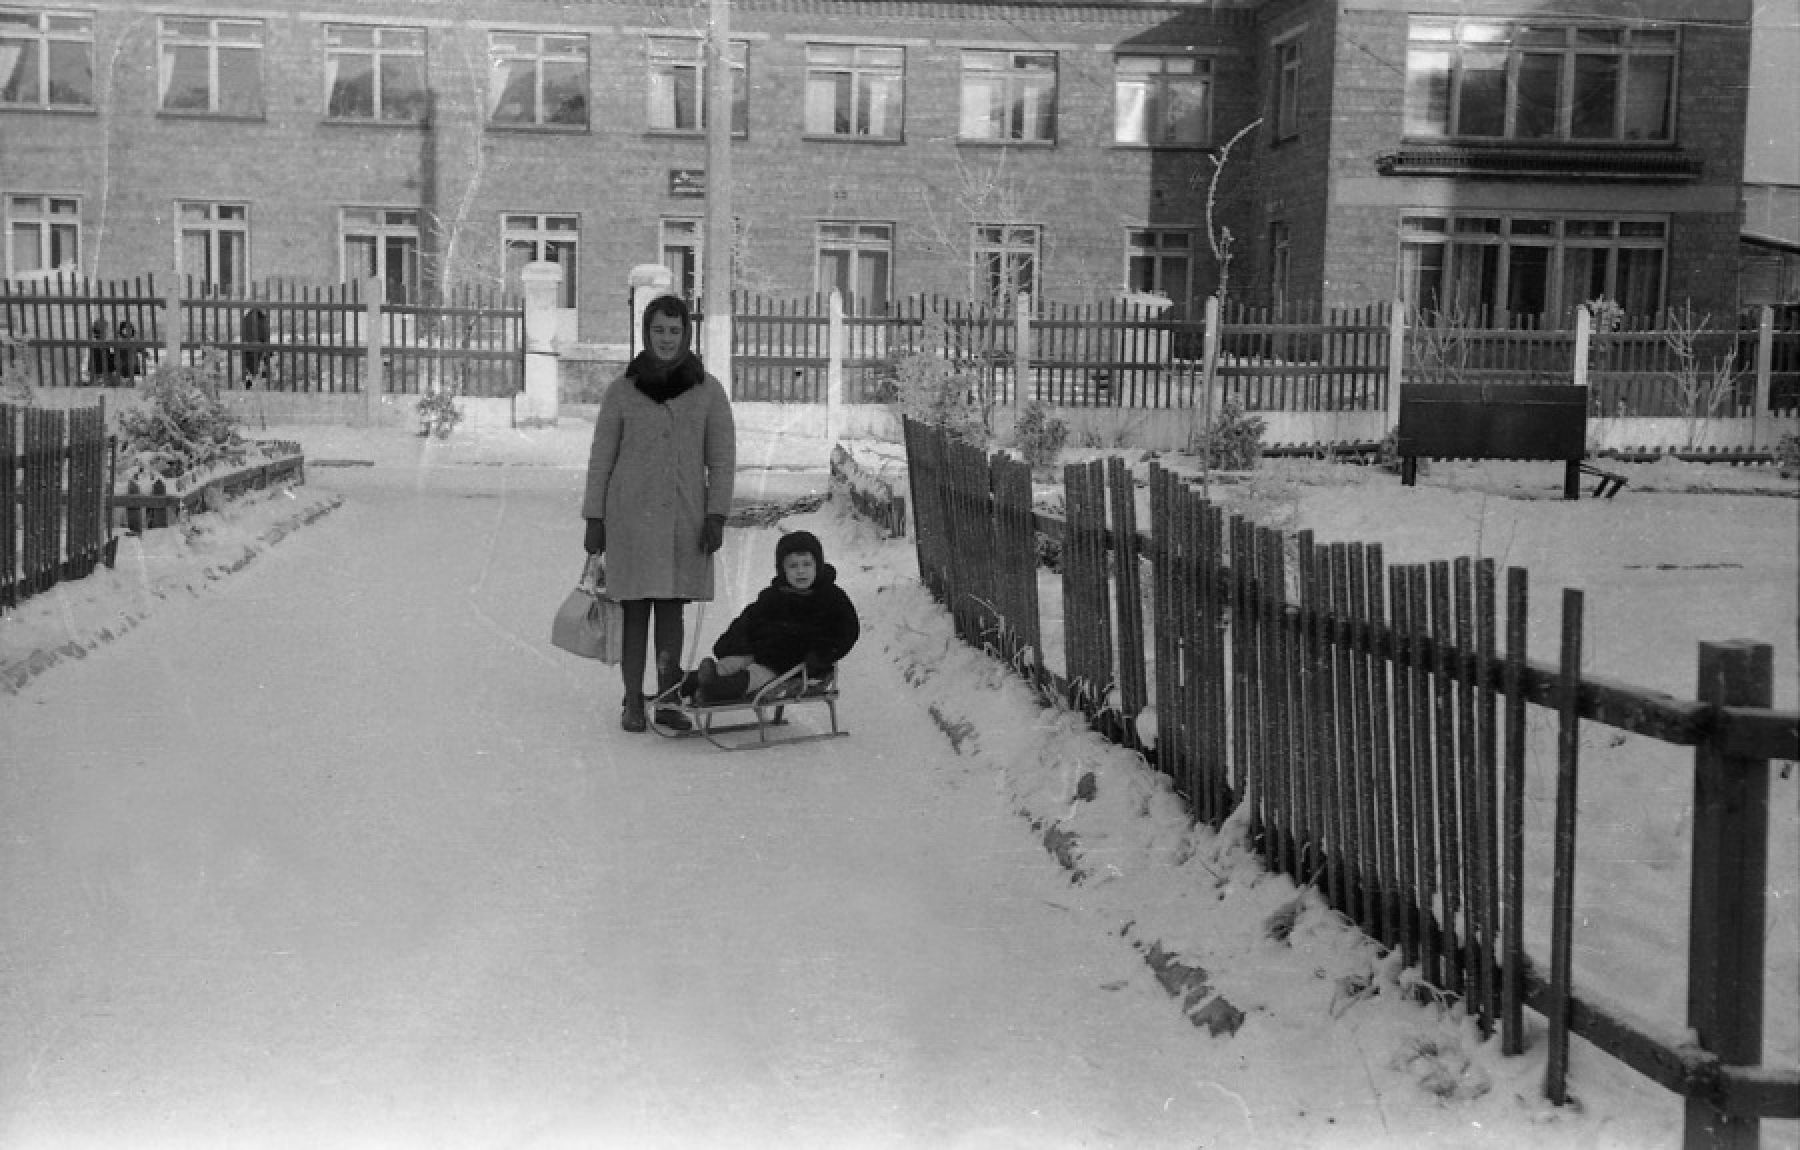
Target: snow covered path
{"x": 345, "y": 854}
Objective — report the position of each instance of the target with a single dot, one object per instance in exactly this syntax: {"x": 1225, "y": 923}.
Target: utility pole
{"x": 720, "y": 233}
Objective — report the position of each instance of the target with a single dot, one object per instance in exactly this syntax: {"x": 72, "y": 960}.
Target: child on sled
{"x": 801, "y": 617}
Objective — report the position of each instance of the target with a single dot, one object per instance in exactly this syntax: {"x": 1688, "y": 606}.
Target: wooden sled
{"x": 769, "y": 706}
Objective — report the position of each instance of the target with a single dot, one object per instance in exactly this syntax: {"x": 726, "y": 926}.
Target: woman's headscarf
{"x": 664, "y": 379}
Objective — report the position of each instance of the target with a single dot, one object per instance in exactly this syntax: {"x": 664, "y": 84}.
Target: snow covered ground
{"x": 325, "y": 846}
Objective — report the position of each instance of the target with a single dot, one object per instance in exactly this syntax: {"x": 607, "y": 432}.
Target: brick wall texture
{"x": 129, "y": 165}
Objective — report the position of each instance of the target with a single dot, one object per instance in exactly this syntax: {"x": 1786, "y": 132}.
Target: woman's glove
{"x": 712, "y": 533}
{"x": 595, "y": 542}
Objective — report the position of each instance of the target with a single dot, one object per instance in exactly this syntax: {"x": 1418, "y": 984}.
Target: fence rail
{"x": 277, "y": 336}
{"x": 1372, "y": 722}
{"x": 55, "y": 483}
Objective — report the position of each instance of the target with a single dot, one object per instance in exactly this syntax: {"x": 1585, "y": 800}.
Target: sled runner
{"x": 769, "y": 706}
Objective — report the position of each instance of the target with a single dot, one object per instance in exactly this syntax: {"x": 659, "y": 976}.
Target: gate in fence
{"x": 1372, "y": 721}
{"x": 279, "y": 337}
{"x": 55, "y": 484}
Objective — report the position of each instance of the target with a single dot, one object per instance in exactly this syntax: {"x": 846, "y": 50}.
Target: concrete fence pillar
{"x": 1765, "y": 351}
{"x": 1396, "y": 367}
{"x": 837, "y": 340}
{"x": 542, "y": 282}
{"x": 1584, "y": 340}
{"x": 1022, "y": 390}
{"x": 171, "y": 326}
{"x": 374, "y": 341}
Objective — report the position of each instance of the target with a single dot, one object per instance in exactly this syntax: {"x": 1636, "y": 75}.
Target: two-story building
{"x": 1475, "y": 153}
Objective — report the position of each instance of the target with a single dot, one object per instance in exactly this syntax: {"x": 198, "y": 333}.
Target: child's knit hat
{"x": 797, "y": 541}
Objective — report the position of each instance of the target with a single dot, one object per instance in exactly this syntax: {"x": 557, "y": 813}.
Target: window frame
{"x": 388, "y": 225}
{"x": 1285, "y": 96}
{"x": 1456, "y": 233}
{"x": 857, "y": 71}
{"x": 499, "y": 82}
{"x": 38, "y": 41}
{"x": 378, "y": 54}
{"x": 658, "y": 54}
{"x": 1012, "y": 85}
{"x": 688, "y": 282}
{"x": 1146, "y": 243}
{"x": 50, "y": 227}
{"x": 170, "y": 38}
{"x": 1281, "y": 262}
{"x": 1004, "y": 287}
{"x": 213, "y": 226}
{"x": 1512, "y": 43}
{"x": 856, "y": 247}
{"x": 544, "y": 237}
{"x": 1162, "y": 83}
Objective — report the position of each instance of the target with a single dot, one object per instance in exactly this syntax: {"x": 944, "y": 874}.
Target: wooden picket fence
{"x": 276, "y": 336}
{"x": 1371, "y": 721}
{"x": 55, "y": 485}
{"x": 1294, "y": 359}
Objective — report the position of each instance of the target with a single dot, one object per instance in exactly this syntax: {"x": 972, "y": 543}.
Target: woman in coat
{"x": 659, "y": 482}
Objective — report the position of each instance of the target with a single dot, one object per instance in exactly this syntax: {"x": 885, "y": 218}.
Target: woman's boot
{"x": 632, "y": 717}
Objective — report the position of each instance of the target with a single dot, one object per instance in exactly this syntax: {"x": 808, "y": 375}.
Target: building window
{"x": 382, "y": 242}
{"x": 43, "y": 235}
{"x": 1160, "y": 261}
{"x": 1006, "y": 261}
{"x": 1009, "y": 96}
{"x": 375, "y": 74}
{"x": 854, "y": 90}
{"x": 1287, "y": 88}
{"x": 678, "y": 85}
{"x": 857, "y": 259}
{"x": 1518, "y": 81}
{"x": 538, "y": 81}
{"x": 46, "y": 59}
{"x": 1162, "y": 100}
{"x": 1502, "y": 267}
{"x": 214, "y": 245}
{"x": 681, "y": 248}
{"x": 211, "y": 67}
{"x": 529, "y": 238}
{"x": 1280, "y": 260}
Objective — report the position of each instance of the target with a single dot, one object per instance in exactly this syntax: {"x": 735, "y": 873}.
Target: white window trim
{"x": 46, "y": 220}
{"x": 423, "y": 55}
{"x": 41, "y": 39}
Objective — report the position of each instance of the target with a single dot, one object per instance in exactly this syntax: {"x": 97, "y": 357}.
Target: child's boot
{"x": 717, "y": 688}
{"x": 668, "y": 674}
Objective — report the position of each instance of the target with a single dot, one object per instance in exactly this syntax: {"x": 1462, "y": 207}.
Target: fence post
{"x": 1730, "y": 874}
{"x": 1396, "y": 373}
{"x": 542, "y": 281}
{"x": 171, "y": 324}
{"x": 836, "y": 338}
{"x": 1584, "y": 335}
{"x": 1022, "y": 350}
{"x": 1209, "y": 367}
{"x": 1765, "y": 360}
{"x": 372, "y": 346}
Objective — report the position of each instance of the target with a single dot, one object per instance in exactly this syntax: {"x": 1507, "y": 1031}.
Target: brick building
{"x": 1468, "y": 151}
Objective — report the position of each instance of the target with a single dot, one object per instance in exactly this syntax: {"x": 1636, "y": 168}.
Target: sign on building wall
{"x": 687, "y": 182}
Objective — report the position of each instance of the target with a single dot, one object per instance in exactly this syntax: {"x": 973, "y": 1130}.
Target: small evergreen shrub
{"x": 1040, "y": 435}
{"x": 1787, "y": 455}
{"x": 1234, "y": 441}
{"x": 438, "y": 413}
{"x": 181, "y": 427}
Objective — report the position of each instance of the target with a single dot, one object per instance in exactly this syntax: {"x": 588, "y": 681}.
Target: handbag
{"x": 590, "y": 623}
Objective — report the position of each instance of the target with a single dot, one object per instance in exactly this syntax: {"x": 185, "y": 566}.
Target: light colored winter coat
{"x": 655, "y": 471}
